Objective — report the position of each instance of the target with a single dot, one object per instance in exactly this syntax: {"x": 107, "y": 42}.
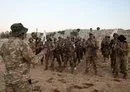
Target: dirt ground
{"x": 52, "y": 81}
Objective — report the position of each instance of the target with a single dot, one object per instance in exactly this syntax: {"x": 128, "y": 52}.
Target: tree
{"x": 98, "y": 28}
{"x": 78, "y": 30}
{"x": 61, "y": 32}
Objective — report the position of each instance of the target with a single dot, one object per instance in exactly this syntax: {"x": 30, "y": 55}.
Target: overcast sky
{"x": 53, "y": 15}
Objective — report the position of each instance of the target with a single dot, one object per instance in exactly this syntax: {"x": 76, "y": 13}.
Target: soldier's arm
{"x": 28, "y": 54}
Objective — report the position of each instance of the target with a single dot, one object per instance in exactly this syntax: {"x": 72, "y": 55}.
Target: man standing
{"x": 105, "y": 47}
{"x": 121, "y": 57}
{"x": 17, "y": 57}
{"x": 91, "y": 53}
{"x": 113, "y": 44}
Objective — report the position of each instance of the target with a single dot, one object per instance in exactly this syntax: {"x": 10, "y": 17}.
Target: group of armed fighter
{"x": 70, "y": 51}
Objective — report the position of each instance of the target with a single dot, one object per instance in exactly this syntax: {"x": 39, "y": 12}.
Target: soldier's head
{"x": 121, "y": 38}
{"x": 18, "y": 30}
{"x": 34, "y": 35}
{"x": 91, "y": 35}
{"x": 115, "y": 35}
{"x": 30, "y": 40}
{"x": 59, "y": 38}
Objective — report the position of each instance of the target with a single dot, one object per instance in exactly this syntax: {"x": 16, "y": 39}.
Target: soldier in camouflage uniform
{"x": 32, "y": 44}
{"x": 17, "y": 56}
{"x": 36, "y": 41}
{"x": 84, "y": 46}
{"x": 49, "y": 53}
{"x": 121, "y": 64}
{"x": 79, "y": 49}
{"x": 113, "y": 51}
{"x": 55, "y": 55}
{"x": 91, "y": 53}
{"x": 70, "y": 53}
{"x": 105, "y": 47}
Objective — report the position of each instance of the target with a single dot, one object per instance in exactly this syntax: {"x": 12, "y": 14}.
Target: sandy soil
{"x": 52, "y": 81}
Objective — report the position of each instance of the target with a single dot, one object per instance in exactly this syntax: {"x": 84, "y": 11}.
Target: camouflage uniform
{"x": 17, "y": 56}
{"x": 39, "y": 46}
{"x": 68, "y": 51}
{"x": 91, "y": 53}
{"x": 36, "y": 42}
{"x": 84, "y": 46}
{"x": 105, "y": 47}
{"x": 70, "y": 55}
{"x": 113, "y": 44}
{"x": 59, "y": 51}
{"x": 49, "y": 53}
{"x": 79, "y": 49}
{"x": 121, "y": 64}
{"x": 32, "y": 44}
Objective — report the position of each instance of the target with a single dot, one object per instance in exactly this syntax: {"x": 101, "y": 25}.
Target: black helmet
{"x": 18, "y": 29}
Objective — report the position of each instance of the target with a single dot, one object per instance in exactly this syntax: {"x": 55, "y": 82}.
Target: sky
{"x": 55, "y": 15}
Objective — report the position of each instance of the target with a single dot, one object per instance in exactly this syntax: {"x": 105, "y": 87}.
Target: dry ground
{"x": 77, "y": 82}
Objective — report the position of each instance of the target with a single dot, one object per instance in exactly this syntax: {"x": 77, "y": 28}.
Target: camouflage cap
{"x": 18, "y": 29}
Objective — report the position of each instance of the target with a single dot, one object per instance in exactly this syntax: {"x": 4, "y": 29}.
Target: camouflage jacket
{"x": 17, "y": 56}
{"x": 91, "y": 47}
{"x": 122, "y": 48}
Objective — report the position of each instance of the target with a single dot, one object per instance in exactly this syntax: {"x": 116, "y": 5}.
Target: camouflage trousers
{"x": 18, "y": 87}
{"x": 121, "y": 65}
{"x": 113, "y": 61}
{"x": 91, "y": 60}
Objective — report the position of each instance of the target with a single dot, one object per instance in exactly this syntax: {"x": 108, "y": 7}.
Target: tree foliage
{"x": 61, "y": 32}
{"x": 98, "y": 28}
{"x": 6, "y": 34}
{"x": 50, "y": 35}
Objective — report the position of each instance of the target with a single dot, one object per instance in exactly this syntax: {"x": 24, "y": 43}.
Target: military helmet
{"x": 18, "y": 29}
